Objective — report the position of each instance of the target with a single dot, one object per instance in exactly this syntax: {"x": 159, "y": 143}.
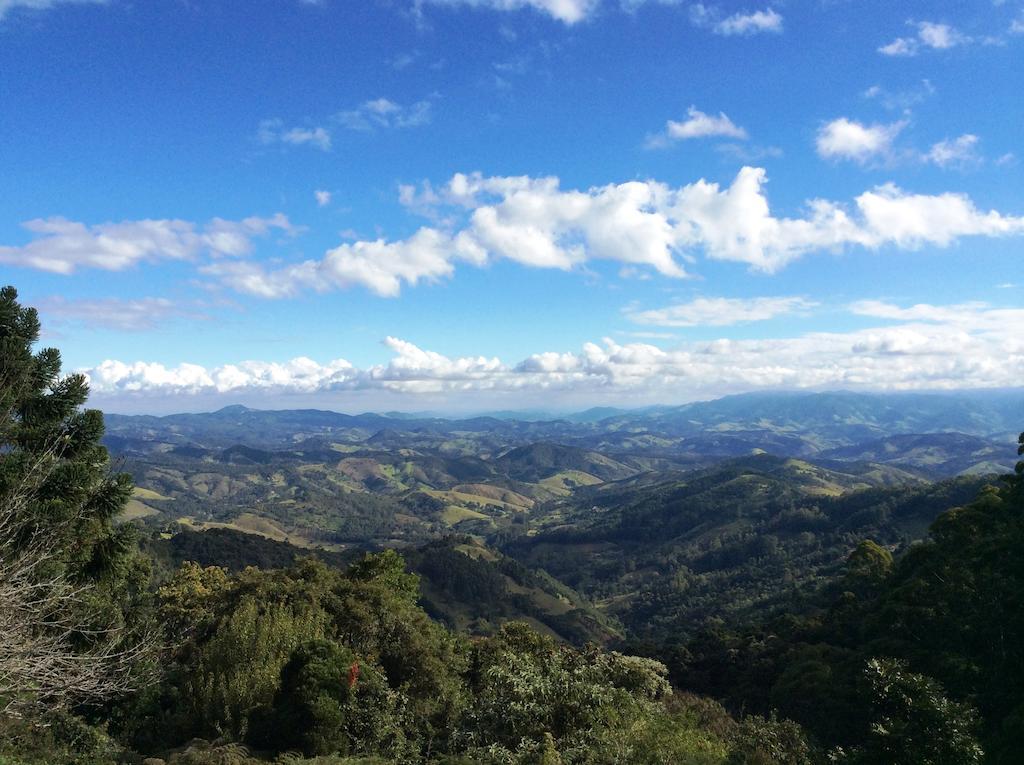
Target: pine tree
{"x": 67, "y": 573}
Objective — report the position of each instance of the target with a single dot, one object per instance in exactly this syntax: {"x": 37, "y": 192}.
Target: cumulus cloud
{"x": 698, "y": 125}
{"x": 843, "y": 138}
{"x": 741, "y": 23}
{"x": 892, "y": 216}
{"x": 6, "y": 6}
{"x": 273, "y": 131}
{"x": 323, "y": 198}
{"x": 566, "y": 11}
{"x": 639, "y": 224}
{"x": 720, "y": 312}
{"x": 383, "y": 113}
{"x": 928, "y": 35}
{"x": 914, "y": 348}
{"x": 846, "y": 139}
{"x": 63, "y": 246}
{"x": 298, "y": 375}
{"x": 379, "y": 265}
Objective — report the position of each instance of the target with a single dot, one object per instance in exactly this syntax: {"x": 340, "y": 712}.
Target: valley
{"x": 637, "y": 524}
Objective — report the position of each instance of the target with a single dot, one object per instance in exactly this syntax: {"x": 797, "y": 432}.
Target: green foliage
{"x": 526, "y": 686}
{"x": 57, "y": 738}
{"x": 247, "y": 656}
{"x": 740, "y": 541}
{"x": 948, "y": 610}
{"x": 332, "y": 701}
{"x": 201, "y": 752}
{"x": 761, "y": 741}
{"x": 388, "y": 569}
{"x": 238, "y": 668}
{"x": 914, "y": 723}
{"x": 73, "y": 599}
{"x": 868, "y": 566}
{"x": 51, "y": 461}
{"x": 338, "y": 664}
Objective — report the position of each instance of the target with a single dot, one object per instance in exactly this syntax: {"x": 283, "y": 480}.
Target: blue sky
{"x": 481, "y": 204}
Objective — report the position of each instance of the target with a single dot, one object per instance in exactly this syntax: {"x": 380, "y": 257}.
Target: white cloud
{"x": 113, "y": 313}
{"x": 892, "y": 216}
{"x": 380, "y": 266}
{"x": 918, "y": 347}
{"x": 720, "y": 312}
{"x": 847, "y": 139}
{"x": 532, "y": 221}
{"x": 384, "y": 113}
{"x": 323, "y": 198}
{"x": 741, "y": 23}
{"x": 954, "y": 152}
{"x": 298, "y": 375}
{"x": 929, "y": 35}
{"x": 567, "y": 11}
{"x": 939, "y": 36}
{"x": 971, "y": 317}
{"x": 902, "y": 100}
{"x": 274, "y": 131}
{"x": 253, "y": 279}
{"x": 1017, "y": 25}
{"x": 901, "y": 46}
{"x": 698, "y": 125}
{"x": 750, "y": 23}
{"x": 384, "y": 266}
{"x": 62, "y": 246}
{"x": 378, "y": 113}
{"x": 6, "y": 6}
{"x": 631, "y": 6}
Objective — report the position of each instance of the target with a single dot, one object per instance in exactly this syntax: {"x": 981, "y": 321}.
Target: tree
{"x": 257, "y": 651}
{"x": 527, "y": 686}
{"x": 868, "y": 566}
{"x": 914, "y": 722}
{"x": 65, "y": 570}
{"x": 332, "y": 700}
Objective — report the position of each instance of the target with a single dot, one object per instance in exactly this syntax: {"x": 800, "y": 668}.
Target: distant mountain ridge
{"x": 791, "y": 424}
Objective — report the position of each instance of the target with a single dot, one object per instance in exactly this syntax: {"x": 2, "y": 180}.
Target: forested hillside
{"x": 746, "y": 538}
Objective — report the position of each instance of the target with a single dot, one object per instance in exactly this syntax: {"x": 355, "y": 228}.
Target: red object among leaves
{"x": 353, "y": 674}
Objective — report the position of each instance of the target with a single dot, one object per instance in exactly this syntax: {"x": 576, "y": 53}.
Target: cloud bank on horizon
{"x": 518, "y": 179}
{"x": 926, "y": 347}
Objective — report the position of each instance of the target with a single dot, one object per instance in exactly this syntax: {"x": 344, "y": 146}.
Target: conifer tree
{"x": 67, "y": 572}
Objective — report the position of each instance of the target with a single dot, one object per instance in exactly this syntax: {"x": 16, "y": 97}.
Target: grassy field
{"x": 563, "y": 483}
{"x": 141, "y": 493}
{"x": 454, "y": 514}
{"x": 248, "y": 523}
{"x": 462, "y": 499}
{"x": 135, "y": 509}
